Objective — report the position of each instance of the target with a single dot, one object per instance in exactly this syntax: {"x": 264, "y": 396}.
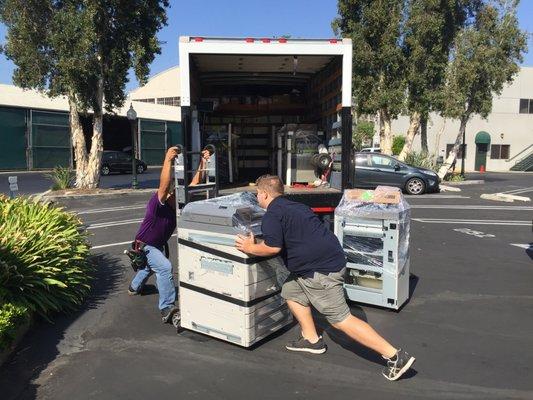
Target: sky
{"x": 256, "y": 18}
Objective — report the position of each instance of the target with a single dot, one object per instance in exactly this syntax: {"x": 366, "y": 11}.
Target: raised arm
{"x": 165, "y": 179}
{"x": 199, "y": 176}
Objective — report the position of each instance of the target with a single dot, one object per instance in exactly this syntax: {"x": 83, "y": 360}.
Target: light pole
{"x": 132, "y": 117}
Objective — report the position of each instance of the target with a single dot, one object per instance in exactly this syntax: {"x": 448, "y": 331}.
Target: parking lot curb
{"x": 466, "y": 183}
{"x": 446, "y": 188}
{"x": 49, "y": 196}
{"x": 508, "y": 198}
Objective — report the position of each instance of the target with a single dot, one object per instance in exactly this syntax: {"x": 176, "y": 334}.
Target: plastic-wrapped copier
{"x": 223, "y": 292}
{"x": 373, "y": 228}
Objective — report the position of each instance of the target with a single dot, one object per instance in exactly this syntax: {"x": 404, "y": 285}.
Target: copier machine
{"x": 373, "y": 229}
{"x": 223, "y": 292}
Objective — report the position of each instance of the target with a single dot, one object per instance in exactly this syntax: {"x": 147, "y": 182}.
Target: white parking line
{"x": 110, "y": 209}
{"x": 526, "y": 246}
{"x": 114, "y": 223}
{"x": 473, "y": 221}
{"x": 103, "y": 246}
{"x": 472, "y": 207}
{"x": 520, "y": 190}
{"x": 437, "y": 196}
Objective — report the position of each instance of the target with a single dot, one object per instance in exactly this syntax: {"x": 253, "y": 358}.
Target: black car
{"x": 374, "y": 169}
{"x": 118, "y": 161}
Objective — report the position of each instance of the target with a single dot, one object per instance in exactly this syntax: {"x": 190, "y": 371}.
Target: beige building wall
{"x": 505, "y": 120}
{"x": 162, "y": 88}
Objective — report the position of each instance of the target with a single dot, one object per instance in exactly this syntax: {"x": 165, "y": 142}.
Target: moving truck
{"x": 258, "y": 99}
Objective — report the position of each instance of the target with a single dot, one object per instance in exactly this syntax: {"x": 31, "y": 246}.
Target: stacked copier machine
{"x": 223, "y": 292}
{"x": 373, "y": 229}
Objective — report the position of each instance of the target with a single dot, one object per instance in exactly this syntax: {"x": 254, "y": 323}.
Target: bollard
{"x": 482, "y": 169}
{"x": 13, "y": 186}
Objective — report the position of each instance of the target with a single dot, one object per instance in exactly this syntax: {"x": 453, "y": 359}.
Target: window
{"x": 500, "y": 151}
{"x": 169, "y": 101}
{"x": 449, "y": 148}
{"x": 145, "y": 100}
{"x": 382, "y": 161}
{"x": 361, "y": 161}
{"x": 526, "y": 106}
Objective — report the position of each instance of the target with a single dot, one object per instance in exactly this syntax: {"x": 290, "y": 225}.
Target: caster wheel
{"x": 176, "y": 319}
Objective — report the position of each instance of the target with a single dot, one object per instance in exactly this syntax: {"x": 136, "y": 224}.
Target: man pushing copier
{"x": 314, "y": 256}
{"x": 156, "y": 229}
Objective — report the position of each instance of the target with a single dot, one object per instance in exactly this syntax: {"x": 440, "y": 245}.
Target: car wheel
{"x": 415, "y": 186}
{"x": 105, "y": 170}
{"x": 140, "y": 169}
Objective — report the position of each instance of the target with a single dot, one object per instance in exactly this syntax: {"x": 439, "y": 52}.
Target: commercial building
{"x": 502, "y": 142}
{"x": 35, "y": 131}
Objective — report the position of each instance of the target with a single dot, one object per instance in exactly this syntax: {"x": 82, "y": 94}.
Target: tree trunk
{"x": 91, "y": 178}
{"x": 437, "y": 140}
{"x": 424, "y": 134}
{"x": 385, "y": 134}
{"x": 450, "y": 159}
{"x": 414, "y": 125}
{"x": 78, "y": 142}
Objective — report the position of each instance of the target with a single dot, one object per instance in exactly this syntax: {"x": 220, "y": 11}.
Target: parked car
{"x": 118, "y": 161}
{"x": 373, "y": 169}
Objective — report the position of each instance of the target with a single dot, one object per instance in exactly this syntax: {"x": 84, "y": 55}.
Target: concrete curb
{"x": 49, "y": 196}
{"x": 508, "y": 198}
{"x": 445, "y": 188}
{"x": 466, "y": 183}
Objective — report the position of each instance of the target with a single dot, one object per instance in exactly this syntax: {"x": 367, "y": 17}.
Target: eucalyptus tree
{"x": 375, "y": 27}
{"x": 485, "y": 58}
{"x": 83, "y": 49}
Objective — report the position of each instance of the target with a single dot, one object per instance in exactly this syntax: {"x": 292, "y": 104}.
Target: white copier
{"x": 373, "y": 228}
{"x": 223, "y": 292}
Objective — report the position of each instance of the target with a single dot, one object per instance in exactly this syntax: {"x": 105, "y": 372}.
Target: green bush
{"x": 454, "y": 178}
{"x": 11, "y": 318}
{"x": 363, "y": 132}
{"x": 62, "y": 178}
{"x": 43, "y": 256}
{"x": 420, "y": 159}
{"x": 397, "y": 144}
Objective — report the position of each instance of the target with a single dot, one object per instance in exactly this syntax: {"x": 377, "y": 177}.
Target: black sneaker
{"x": 305, "y": 345}
{"x": 168, "y": 313}
{"x": 398, "y": 365}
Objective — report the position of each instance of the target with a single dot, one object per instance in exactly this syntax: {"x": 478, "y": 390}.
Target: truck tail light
{"x": 198, "y": 39}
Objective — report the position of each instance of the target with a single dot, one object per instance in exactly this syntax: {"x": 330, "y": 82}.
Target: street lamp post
{"x": 132, "y": 117}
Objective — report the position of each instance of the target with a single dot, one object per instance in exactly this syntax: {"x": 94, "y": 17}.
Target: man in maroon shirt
{"x": 156, "y": 229}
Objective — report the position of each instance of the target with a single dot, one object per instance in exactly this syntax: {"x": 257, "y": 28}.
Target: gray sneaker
{"x": 398, "y": 365}
{"x": 306, "y": 346}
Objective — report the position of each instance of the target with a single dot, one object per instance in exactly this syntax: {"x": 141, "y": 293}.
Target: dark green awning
{"x": 483, "y": 137}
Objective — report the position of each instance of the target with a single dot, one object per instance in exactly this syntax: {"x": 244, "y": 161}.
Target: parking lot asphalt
{"x": 468, "y": 321}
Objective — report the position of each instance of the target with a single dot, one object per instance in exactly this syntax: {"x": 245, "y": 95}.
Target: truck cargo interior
{"x": 246, "y": 105}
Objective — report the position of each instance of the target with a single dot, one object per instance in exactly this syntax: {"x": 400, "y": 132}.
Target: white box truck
{"x": 260, "y": 100}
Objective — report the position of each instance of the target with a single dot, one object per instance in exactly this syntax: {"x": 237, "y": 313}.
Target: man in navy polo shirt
{"x": 314, "y": 256}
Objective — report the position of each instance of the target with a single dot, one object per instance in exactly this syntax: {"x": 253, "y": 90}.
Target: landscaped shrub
{"x": 43, "y": 256}
{"x": 420, "y": 159}
{"x": 62, "y": 178}
{"x": 397, "y": 144}
{"x": 12, "y": 317}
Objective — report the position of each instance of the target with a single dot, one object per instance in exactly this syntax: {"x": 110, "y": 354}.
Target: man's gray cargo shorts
{"x": 323, "y": 292}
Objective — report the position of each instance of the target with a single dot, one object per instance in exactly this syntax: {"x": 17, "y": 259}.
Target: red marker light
{"x": 265, "y": 40}
{"x": 198, "y": 39}
{"x": 249, "y": 40}
{"x": 282, "y": 40}
{"x": 333, "y": 41}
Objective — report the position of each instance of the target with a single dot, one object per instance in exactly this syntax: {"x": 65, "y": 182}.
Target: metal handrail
{"x": 516, "y": 155}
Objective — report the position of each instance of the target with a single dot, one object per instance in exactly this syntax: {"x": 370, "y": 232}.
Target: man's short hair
{"x": 270, "y": 184}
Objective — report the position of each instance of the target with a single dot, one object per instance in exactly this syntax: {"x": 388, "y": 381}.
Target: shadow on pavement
{"x": 16, "y": 377}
